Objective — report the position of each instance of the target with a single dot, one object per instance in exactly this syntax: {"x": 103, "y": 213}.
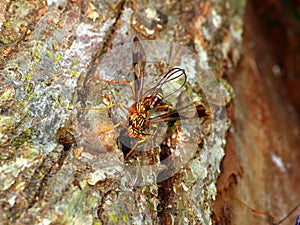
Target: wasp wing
{"x": 191, "y": 111}
{"x": 171, "y": 82}
{"x": 138, "y": 67}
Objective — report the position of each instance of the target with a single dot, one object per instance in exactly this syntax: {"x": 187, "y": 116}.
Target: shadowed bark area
{"x": 64, "y": 71}
{"x": 261, "y": 166}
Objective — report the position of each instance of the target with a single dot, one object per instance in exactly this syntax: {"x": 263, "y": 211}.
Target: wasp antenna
{"x": 290, "y": 213}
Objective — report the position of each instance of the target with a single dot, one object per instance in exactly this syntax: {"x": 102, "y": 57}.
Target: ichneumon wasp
{"x": 151, "y": 105}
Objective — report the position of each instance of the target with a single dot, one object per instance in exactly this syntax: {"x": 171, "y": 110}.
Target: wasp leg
{"x": 106, "y": 129}
{"x": 162, "y": 107}
{"x": 152, "y": 143}
{"x": 106, "y": 107}
{"x": 141, "y": 141}
{"x": 112, "y": 81}
{"x": 133, "y": 91}
{"x": 110, "y": 127}
{"x": 132, "y": 85}
{"x": 133, "y": 148}
{"x": 117, "y": 82}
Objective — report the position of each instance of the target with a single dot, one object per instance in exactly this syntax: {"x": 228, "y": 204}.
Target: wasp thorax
{"x": 136, "y": 119}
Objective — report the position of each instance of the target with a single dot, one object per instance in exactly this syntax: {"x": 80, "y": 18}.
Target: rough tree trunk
{"x": 53, "y": 57}
{"x": 261, "y": 166}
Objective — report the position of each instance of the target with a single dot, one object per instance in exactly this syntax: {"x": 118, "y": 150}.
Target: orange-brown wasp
{"x": 138, "y": 116}
{"x": 152, "y": 106}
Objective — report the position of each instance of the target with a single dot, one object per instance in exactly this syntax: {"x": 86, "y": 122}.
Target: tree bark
{"x": 61, "y": 163}
{"x": 261, "y": 166}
